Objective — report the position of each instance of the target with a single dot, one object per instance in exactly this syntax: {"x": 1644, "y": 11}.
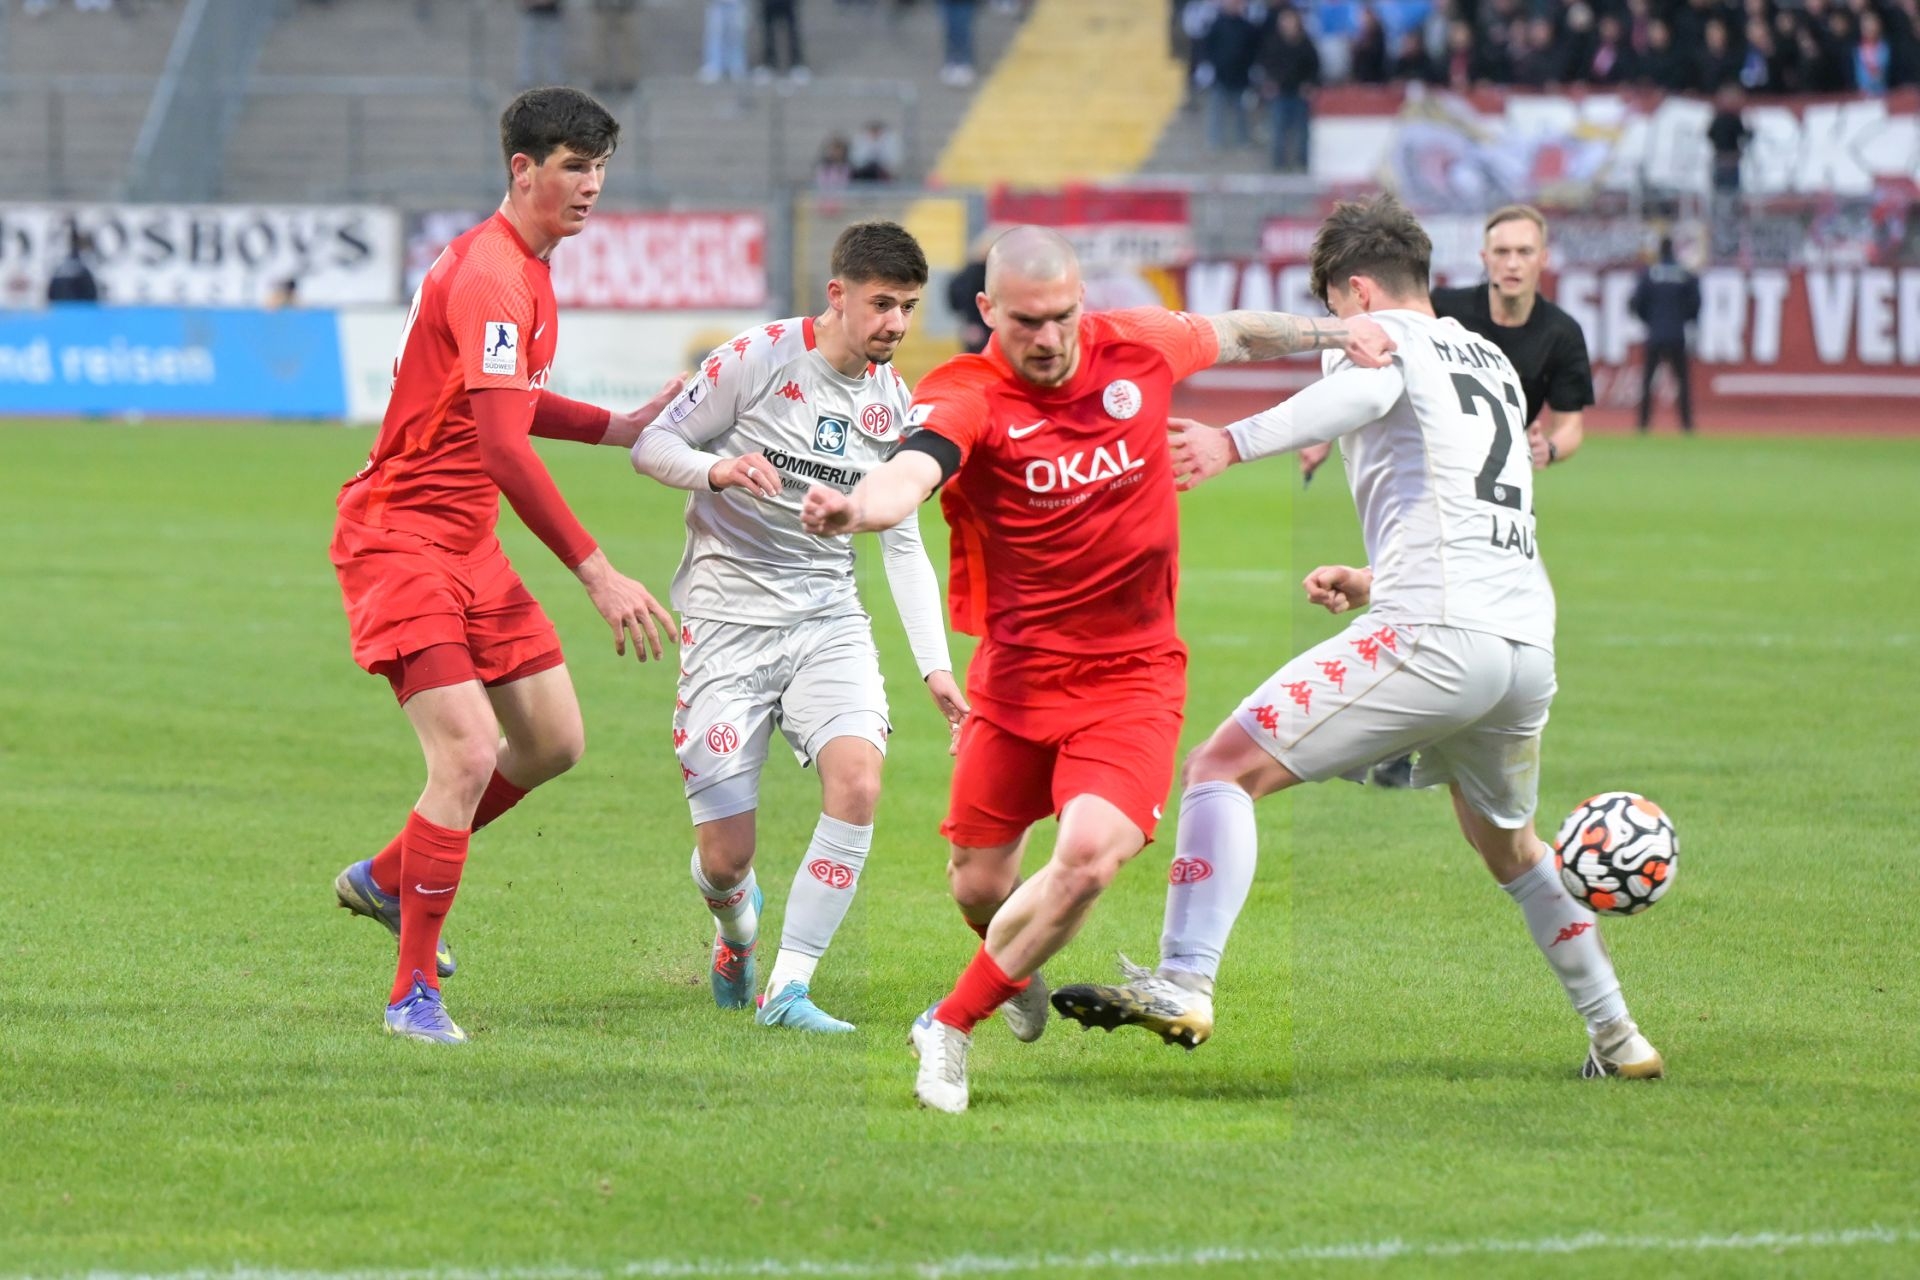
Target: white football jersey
{"x": 1443, "y": 482}
{"x": 769, "y": 392}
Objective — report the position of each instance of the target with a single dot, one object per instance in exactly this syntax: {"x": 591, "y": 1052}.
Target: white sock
{"x": 1214, "y": 853}
{"x": 1569, "y": 937}
{"x": 791, "y": 966}
{"x": 732, "y": 908}
{"x": 822, "y": 892}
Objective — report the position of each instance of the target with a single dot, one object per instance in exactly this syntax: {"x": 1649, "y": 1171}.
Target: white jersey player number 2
{"x": 1474, "y": 396}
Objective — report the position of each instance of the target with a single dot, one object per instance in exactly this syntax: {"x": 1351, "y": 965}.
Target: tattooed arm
{"x": 1247, "y": 336}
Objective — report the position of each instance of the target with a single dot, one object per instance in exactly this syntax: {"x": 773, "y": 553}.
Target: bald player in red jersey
{"x": 431, "y": 602}
{"x": 1052, "y": 446}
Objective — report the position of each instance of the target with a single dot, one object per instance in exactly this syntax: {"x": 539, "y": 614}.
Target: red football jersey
{"x": 1065, "y": 530}
{"x": 483, "y": 318}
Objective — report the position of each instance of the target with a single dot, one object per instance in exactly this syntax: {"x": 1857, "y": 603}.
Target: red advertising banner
{"x": 1819, "y": 349}
{"x": 665, "y": 262}
{"x": 1112, "y": 229}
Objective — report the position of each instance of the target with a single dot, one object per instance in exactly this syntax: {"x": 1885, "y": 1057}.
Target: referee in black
{"x": 1544, "y": 343}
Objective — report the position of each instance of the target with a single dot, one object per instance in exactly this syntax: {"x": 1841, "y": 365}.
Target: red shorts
{"x": 1048, "y": 727}
{"x": 404, "y": 594}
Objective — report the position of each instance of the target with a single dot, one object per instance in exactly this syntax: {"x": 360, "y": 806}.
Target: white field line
{"x": 972, "y": 1264}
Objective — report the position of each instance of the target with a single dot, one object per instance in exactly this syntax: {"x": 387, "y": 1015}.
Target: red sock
{"x": 431, "y": 863}
{"x": 983, "y": 988}
{"x": 499, "y": 797}
{"x": 386, "y": 867}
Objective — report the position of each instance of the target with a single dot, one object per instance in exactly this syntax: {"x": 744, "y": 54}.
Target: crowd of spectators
{"x": 1678, "y": 46}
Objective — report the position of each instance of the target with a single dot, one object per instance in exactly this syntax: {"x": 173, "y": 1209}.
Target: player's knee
{"x": 464, "y": 765}
{"x": 853, "y": 795}
{"x": 564, "y": 749}
{"x": 979, "y": 886}
{"x": 1082, "y": 874}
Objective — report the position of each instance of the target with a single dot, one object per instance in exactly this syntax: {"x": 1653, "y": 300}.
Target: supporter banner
{"x": 634, "y": 261}
{"x": 1770, "y": 340}
{"x": 132, "y": 361}
{"x": 615, "y": 359}
{"x": 1441, "y": 150}
{"x": 207, "y": 255}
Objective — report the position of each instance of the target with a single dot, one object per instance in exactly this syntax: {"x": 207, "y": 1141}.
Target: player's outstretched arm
{"x": 623, "y": 429}
{"x": 1247, "y": 336}
{"x": 890, "y": 493}
{"x": 501, "y": 422}
{"x": 1200, "y": 452}
{"x": 1338, "y": 588}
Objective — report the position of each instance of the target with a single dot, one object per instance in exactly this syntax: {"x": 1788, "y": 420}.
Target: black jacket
{"x": 1666, "y": 300}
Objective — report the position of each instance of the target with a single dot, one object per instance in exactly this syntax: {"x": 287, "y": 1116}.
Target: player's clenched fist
{"x": 751, "y": 472}
{"x": 1338, "y": 587}
{"x": 946, "y": 694}
{"x": 827, "y": 511}
{"x": 1200, "y": 452}
{"x": 627, "y": 605}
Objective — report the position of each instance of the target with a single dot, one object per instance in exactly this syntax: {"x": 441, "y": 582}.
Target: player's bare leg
{"x": 544, "y": 737}
{"x": 1568, "y": 936}
{"x": 1215, "y": 852}
{"x": 1096, "y": 839}
{"x": 458, "y": 735}
{"x": 540, "y": 718}
{"x": 723, "y": 873}
{"x": 824, "y": 884}
{"x": 982, "y": 879}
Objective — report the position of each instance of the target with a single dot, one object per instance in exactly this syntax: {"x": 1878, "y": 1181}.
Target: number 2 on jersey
{"x": 1486, "y": 485}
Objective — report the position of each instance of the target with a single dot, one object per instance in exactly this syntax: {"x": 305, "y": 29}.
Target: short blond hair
{"x": 1516, "y": 213}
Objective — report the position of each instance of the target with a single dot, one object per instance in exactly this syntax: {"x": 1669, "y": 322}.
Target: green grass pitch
{"x": 193, "y": 1075}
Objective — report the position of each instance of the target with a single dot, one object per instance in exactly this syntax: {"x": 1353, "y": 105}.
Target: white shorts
{"x": 1473, "y": 704}
{"x": 817, "y": 680}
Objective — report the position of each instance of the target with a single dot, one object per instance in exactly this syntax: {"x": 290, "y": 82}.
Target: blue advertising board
{"x": 79, "y": 359}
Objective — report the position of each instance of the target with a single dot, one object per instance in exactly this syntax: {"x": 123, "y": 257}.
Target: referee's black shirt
{"x": 1548, "y": 352}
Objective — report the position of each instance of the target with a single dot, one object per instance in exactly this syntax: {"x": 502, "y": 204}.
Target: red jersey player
{"x": 1052, "y": 445}
{"x": 432, "y": 603}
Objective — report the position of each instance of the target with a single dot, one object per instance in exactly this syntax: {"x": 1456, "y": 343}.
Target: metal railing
{"x": 182, "y": 144}
{"x": 73, "y": 162}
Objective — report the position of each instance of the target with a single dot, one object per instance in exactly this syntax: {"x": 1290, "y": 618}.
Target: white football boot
{"x": 1618, "y": 1049}
{"x": 941, "y": 1082}
{"x": 1026, "y": 1013}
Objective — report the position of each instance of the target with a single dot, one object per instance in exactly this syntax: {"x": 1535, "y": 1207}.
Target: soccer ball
{"x": 1617, "y": 853}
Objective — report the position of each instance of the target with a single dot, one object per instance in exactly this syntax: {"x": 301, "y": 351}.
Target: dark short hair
{"x": 883, "y": 251}
{"x": 1377, "y": 238}
{"x": 541, "y": 121}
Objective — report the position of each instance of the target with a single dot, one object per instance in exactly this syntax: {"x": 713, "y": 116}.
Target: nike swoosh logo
{"x": 420, "y": 888}
{"x": 1021, "y": 433}
{"x": 537, "y": 332}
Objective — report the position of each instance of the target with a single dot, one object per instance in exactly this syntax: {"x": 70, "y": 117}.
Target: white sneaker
{"x": 941, "y": 1082}
{"x": 1178, "y": 1014}
{"x": 1026, "y": 1013}
{"x": 1618, "y": 1049}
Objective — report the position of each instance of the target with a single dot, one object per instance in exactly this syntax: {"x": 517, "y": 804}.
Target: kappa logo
{"x": 830, "y": 436}
{"x": 876, "y": 420}
{"x": 834, "y": 875}
{"x": 723, "y": 739}
{"x": 500, "y": 352}
{"x": 1189, "y": 871}
{"x": 1021, "y": 433}
{"x": 1570, "y": 932}
{"x": 679, "y": 739}
{"x": 793, "y": 392}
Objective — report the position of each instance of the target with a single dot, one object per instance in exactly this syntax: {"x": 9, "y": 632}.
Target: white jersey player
{"x": 1454, "y": 658}
{"x": 772, "y": 630}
